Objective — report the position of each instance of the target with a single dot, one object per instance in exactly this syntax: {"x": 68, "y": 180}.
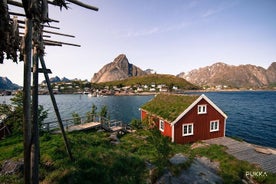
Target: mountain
{"x": 232, "y": 76}
{"x": 119, "y": 69}
{"x": 6, "y": 84}
{"x": 57, "y": 79}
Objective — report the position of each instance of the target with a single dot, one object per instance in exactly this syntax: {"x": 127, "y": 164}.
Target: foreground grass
{"x": 99, "y": 161}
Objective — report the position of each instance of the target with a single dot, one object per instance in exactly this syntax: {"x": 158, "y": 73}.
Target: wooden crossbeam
{"x": 83, "y": 5}
{"x": 62, "y": 43}
{"x": 15, "y": 3}
{"x": 61, "y": 34}
{"x": 76, "y": 2}
{"x": 52, "y": 44}
{"x": 52, "y": 27}
{"x": 17, "y": 14}
{"x": 41, "y": 70}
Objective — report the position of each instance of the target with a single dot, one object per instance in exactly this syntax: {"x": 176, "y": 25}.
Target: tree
{"x": 14, "y": 113}
{"x": 103, "y": 112}
{"x": 90, "y": 116}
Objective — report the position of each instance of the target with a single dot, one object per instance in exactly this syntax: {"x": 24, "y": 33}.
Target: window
{"x": 214, "y": 125}
{"x": 161, "y": 125}
{"x": 188, "y": 129}
{"x": 202, "y": 109}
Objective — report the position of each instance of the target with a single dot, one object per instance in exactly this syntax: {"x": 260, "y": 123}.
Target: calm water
{"x": 251, "y": 114}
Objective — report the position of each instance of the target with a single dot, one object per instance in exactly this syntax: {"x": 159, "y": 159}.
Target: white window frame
{"x": 214, "y": 128}
{"x": 188, "y": 133}
{"x": 202, "y": 109}
{"x": 160, "y": 125}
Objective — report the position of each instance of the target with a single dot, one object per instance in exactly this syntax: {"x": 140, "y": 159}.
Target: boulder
{"x": 12, "y": 167}
{"x": 178, "y": 159}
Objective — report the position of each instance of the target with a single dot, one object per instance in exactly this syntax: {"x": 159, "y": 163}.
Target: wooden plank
{"x": 84, "y": 5}
{"x": 116, "y": 128}
{"x": 245, "y": 151}
{"x": 84, "y": 126}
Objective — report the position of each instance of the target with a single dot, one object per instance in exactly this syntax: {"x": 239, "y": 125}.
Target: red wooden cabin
{"x": 185, "y": 118}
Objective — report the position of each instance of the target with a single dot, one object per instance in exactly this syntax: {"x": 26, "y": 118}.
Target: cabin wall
{"x": 201, "y": 125}
{"x": 167, "y": 126}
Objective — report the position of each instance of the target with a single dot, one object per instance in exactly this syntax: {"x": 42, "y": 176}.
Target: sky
{"x": 169, "y": 37}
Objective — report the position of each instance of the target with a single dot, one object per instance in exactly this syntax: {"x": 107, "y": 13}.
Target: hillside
{"x": 168, "y": 80}
{"x": 119, "y": 69}
{"x": 242, "y": 76}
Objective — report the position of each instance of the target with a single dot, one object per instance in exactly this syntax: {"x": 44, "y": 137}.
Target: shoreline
{"x": 154, "y": 93}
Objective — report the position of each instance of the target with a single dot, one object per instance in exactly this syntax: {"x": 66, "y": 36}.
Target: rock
{"x": 178, "y": 159}
{"x": 263, "y": 150}
{"x": 167, "y": 178}
{"x": 12, "y": 167}
{"x": 114, "y": 138}
{"x": 207, "y": 162}
{"x": 199, "y": 145}
{"x": 201, "y": 171}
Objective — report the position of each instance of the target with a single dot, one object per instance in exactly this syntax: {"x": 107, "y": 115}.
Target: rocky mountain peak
{"x": 6, "y": 84}
{"x": 121, "y": 59}
{"x": 119, "y": 69}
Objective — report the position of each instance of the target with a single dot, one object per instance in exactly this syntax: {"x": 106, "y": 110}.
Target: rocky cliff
{"x": 232, "y": 76}
{"x": 119, "y": 69}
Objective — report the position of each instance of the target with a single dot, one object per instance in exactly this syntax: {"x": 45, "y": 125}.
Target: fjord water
{"x": 251, "y": 114}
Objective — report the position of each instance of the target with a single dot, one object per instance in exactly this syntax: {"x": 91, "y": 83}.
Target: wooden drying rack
{"x": 31, "y": 45}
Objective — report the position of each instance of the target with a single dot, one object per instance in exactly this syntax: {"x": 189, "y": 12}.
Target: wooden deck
{"x": 262, "y": 156}
{"x": 84, "y": 126}
{"x": 79, "y": 124}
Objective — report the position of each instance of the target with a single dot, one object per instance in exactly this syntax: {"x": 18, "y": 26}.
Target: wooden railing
{"x": 4, "y": 130}
{"x": 106, "y": 124}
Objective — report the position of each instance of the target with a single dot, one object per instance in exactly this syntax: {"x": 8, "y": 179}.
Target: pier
{"x": 92, "y": 121}
{"x": 261, "y": 156}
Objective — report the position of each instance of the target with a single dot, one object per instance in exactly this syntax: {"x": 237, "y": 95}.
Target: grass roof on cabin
{"x": 169, "y": 106}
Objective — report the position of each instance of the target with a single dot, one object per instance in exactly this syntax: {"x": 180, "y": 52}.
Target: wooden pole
{"x": 60, "y": 43}
{"x": 35, "y": 150}
{"x": 61, "y": 34}
{"x": 27, "y": 100}
{"x": 55, "y": 107}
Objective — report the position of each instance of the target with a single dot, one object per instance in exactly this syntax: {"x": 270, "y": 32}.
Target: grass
{"x": 97, "y": 160}
{"x": 169, "y": 106}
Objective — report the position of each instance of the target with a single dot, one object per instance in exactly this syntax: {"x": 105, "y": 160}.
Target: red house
{"x": 185, "y": 118}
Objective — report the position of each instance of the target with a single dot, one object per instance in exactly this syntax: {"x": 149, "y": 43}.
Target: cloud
{"x": 153, "y": 30}
{"x": 211, "y": 12}
{"x": 143, "y": 32}
{"x": 220, "y": 8}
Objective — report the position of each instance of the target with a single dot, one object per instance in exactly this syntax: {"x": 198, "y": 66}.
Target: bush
{"x": 161, "y": 144}
{"x": 76, "y": 118}
{"x": 136, "y": 124}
